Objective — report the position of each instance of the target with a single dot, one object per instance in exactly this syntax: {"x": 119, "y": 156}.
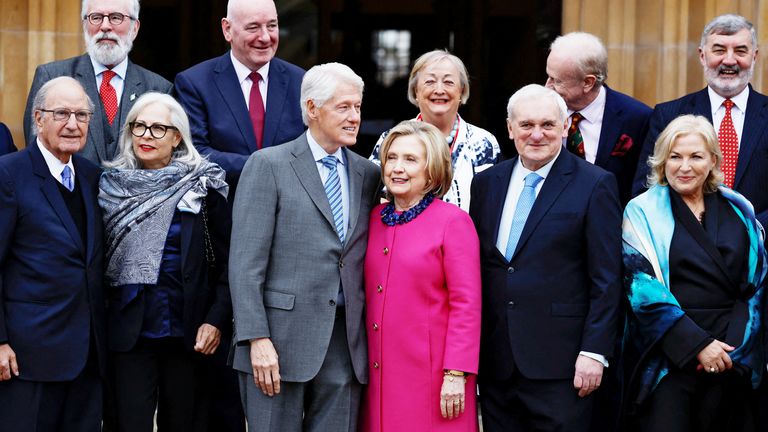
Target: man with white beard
{"x": 728, "y": 53}
{"x": 106, "y": 73}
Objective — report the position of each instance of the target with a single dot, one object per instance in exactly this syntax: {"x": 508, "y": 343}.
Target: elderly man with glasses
{"x": 105, "y": 72}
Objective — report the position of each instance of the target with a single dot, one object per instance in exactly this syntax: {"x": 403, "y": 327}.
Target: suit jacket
{"x": 559, "y": 294}
{"x": 206, "y": 289}
{"x": 286, "y": 260}
{"x": 218, "y": 115}
{"x": 625, "y": 124}
{"x": 752, "y": 169}
{"x": 102, "y": 137}
{"x": 51, "y": 298}
{"x": 6, "y": 140}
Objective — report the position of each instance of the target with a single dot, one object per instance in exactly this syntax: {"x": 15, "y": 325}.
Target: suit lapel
{"x": 610, "y": 128}
{"x": 754, "y": 127}
{"x": 355, "y": 178}
{"x": 305, "y": 167}
{"x": 187, "y": 226}
{"x": 700, "y": 105}
{"x": 276, "y": 95}
{"x": 558, "y": 178}
{"x": 85, "y": 74}
{"x": 226, "y": 82}
{"x": 88, "y": 190}
{"x": 51, "y": 192}
{"x": 133, "y": 87}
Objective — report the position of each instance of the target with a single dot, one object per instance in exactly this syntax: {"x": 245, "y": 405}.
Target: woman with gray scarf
{"x": 166, "y": 225}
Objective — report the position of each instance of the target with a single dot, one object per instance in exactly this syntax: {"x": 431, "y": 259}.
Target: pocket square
{"x": 622, "y": 146}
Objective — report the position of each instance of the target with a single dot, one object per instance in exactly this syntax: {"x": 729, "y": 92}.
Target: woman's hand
{"x": 452, "y": 396}
{"x": 714, "y": 357}
{"x": 208, "y": 338}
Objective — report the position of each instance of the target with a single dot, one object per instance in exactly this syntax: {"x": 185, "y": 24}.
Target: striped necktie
{"x": 333, "y": 190}
{"x": 66, "y": 178}
{"x": 575, "y": 142}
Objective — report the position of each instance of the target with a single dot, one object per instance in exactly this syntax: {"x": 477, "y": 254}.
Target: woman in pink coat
{"x": 422, "y": 282}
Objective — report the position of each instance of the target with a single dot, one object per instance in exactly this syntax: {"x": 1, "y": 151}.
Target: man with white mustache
{"x": 728, "y": 52}
{"x": 106, "y": 73}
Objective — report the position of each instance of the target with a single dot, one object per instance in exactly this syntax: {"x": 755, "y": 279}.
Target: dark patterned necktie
{"x": 575, "y": 142}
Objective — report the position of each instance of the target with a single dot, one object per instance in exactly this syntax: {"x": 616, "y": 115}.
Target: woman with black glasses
{"x": 165, "y": 215}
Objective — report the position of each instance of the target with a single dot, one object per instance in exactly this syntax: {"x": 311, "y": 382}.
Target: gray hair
{"x": 133, "y": 8}
{"x": 536, "y": 91}
{"x": 320, "y": 83}
{"x": 727, "y": 25}
{"x": 185, "y": 152}
{"x": 41, "y": 97}
{"x": 431, "y": 58}
{"x": 587, "y": 52}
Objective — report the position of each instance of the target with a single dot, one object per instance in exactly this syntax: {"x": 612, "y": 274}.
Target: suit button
{"x": 386, "y": 251}
{"x": 341, "y": 264}
{"x": 332, "y": 302}
{"x": 511, "y": 304}
{"x": 375, "y": 326}
{"x": 375, "y": 365}
{"x": 510, "y": 270}
{"x": 379, "y": 288}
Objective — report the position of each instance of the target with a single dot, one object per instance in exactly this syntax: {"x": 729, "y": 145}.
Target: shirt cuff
{"x": 599, "y": 357}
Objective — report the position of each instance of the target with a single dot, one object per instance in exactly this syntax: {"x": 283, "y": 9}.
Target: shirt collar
{"x": 120, "y": 69}
{"x": 543, "y": 171}
{"x": 319, "y": 153}
{"x": 740, "y": 100}
{"x": 242, "y": 70}
{"x": 55, "y": 166}
{"x": 593, "y": 113}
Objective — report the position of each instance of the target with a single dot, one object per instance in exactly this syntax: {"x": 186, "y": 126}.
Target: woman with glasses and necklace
{"x": 438, "y": 85}
{"x": 166, "y": 230}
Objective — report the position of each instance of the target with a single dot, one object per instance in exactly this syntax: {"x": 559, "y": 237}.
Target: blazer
{"x": 206, "y": 290}
{"x": 625, "y": 124}
{"x": 6, "y": 140}
{"x": 287, "y": 263}
{"x": 51, "y": 298}
{"x": 559, "y": 294}
{"x": 752, "y": 168}
{"x": 221, "y": 126}
{"x": 102, "y": 137}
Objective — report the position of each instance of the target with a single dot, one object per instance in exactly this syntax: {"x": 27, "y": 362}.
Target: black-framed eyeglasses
{"x": 115, "y": 18}
{"x": 156, "y": 130}
{"x": 63, "y": 114}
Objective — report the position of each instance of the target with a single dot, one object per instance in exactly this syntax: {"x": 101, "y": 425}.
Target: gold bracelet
{"x": 454, "y": 372}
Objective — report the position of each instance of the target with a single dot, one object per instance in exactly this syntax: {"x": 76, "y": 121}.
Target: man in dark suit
{"x": 728, "y": 52}
{"x": 105, "y": 72}
{"x": 296, "y": 267}
{"x": 607, "y": 128}
{"x": 247, "y": 99}
{"x": 51, "y": 264}
{"x": 6, "y": 140}
{"x": 549, "y": 225}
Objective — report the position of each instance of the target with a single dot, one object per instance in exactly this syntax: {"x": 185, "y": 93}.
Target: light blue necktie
{"x": 524, "y": 205}
{"x": 66, "y": 178}
{"x": 333, "y": 190}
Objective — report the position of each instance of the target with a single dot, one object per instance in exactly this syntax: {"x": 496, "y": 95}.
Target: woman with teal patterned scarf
{"x": 694, "y": 268}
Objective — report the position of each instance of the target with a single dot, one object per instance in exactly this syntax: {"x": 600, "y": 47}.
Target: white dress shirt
{"x": 245, "y": 82}
{"x": 55, "y": 166}
{"x": 591, "y": 125}
{"x": 117, "y": 82}
{"x": 319, "y": 153}
{"x": 738, "y": 111}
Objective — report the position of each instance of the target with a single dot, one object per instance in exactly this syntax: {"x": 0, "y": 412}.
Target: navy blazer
{"x": 221, "y": 126}
{"x": 6, "y": 140}
{"x": 206, "y": 287}
{"x": 559, "y": 294}
{"x": 752, "y": 170}
{"x": 625, "y": 124}
{"x": 51, "y": 298}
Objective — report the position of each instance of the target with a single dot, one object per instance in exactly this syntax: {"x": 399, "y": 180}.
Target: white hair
{"x": 536, "y": 91}
{"x": 41, "y": 97}
{"x": 133, "y": 9}
{"x": 586, "y": 51}
{"x": 320, "y": 83}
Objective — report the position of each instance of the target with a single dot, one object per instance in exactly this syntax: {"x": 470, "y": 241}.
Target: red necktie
{"x": 108, "y": 95}
{"x": 729, "y": 145}
{"x": 256, "y": 109}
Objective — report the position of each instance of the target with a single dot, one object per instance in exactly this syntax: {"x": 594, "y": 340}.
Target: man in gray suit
{"x": 109, "y": 27}
{"x": 300, "y": 231}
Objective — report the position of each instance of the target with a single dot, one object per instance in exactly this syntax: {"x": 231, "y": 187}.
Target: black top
{"x": 76, "y": 207}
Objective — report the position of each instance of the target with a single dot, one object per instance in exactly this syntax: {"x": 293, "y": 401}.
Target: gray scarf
{"x": 138, "y": 209}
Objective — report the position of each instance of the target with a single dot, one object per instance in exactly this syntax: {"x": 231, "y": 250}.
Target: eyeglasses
{"x": 156, "y": 130}
{"x": 63, "y": 114}
{"x": 115, "y": 18}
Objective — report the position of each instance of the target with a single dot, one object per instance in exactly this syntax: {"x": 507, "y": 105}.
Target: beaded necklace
{"x": 391, "y": 218}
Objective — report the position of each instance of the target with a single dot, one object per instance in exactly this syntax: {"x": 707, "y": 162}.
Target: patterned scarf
{"x": 138, "y": 209}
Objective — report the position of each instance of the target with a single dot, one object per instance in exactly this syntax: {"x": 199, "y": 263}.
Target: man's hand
{"x": 714, "y": 357}
{"x": 266, "y": 370}
{"x": 8, "y": 363}
{"x": 208, "y": 339}
{"x": 589, "y": 373}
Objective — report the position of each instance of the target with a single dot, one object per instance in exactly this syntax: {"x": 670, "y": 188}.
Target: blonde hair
{"x": 431, "y": 58}
{"x": 439, "y": 170}
{"x": 677, "y": 128}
